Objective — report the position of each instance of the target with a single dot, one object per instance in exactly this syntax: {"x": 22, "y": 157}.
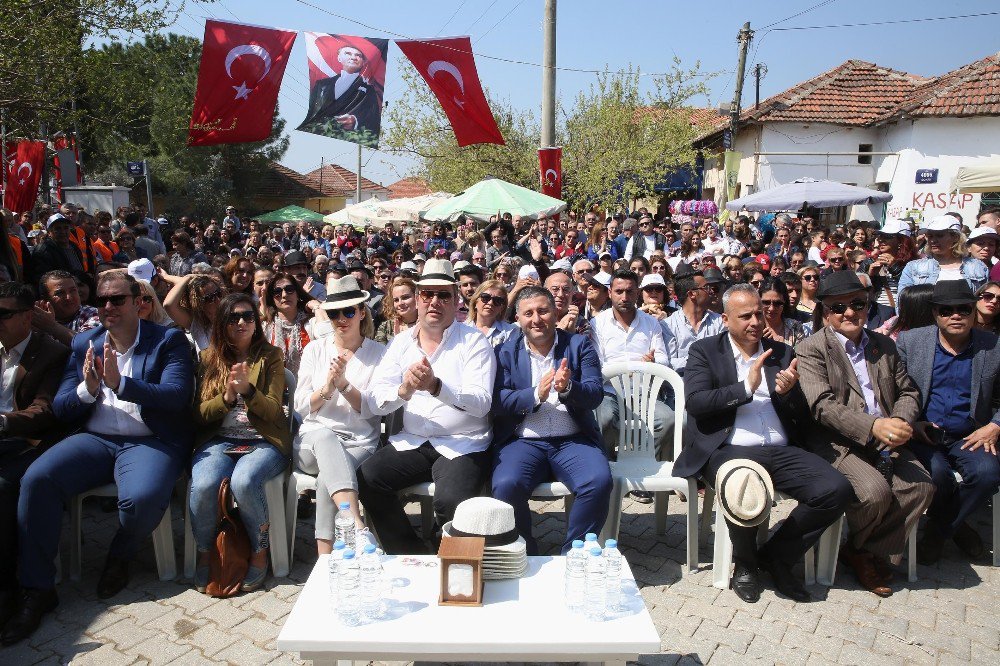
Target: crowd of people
{"x": 852, "y": 369}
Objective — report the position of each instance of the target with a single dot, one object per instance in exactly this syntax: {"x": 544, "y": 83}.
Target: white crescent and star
{"x": 21, "y": 166}
{"x": 555, "y": 176}
{"x": 445, "y": 66}
{"x": 242, "y": 92}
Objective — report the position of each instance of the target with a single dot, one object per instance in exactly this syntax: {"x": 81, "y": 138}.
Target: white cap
{"x": 942, "y": 223}
{"x": 652, "y": 280}
{"x": 408, "y": 266}
{"x": 601, "y": 279}
{"x": 142, "y": 269}
{"x": 978, "y": 232}
{"x": 895, "y": 228}
{"x": 527, "y": 271}
{"x": 561, "y": 265}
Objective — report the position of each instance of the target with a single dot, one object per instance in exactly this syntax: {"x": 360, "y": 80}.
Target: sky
{"x": 596, "y": 35}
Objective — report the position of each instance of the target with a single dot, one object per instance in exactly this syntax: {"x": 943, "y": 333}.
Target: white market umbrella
{"x": 411, "y": 209}
{"x": 808, "y": 192}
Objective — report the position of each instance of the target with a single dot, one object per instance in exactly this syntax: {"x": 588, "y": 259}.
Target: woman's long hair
{"x": 776, "y": 285}
{"x": 270, "y": 310}
{"x": 915, "y": 309}
{"x": 229, "y": 270}
{"x": 388, "y": 307}
{"x": 221, "y": 354}
{"x": 191, "y": 299}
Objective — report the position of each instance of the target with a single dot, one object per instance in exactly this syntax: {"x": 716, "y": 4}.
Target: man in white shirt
{"x": 548, "y": 384}
{"x": 647, "y": 241}
{"x": 694, "y": 321}
{"x": 440, "y": 373}
{"x": 744, "y": 402}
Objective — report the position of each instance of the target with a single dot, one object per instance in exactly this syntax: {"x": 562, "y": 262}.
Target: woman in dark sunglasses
{"x": 778, "y": 323}
{"x": 810, "y": 285}
{"x": 487, "y": 308}
{"x": 149, "y": 305}
{"x": 192, "y": 302}
{"x": 243, "y": 433}
{"x": 338, "y": 433}
{"x": 987, "y": 307}
{"x": 286, "y": 318}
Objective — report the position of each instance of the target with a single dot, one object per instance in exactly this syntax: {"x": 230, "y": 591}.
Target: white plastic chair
{"x": 274, "y": 495}
{"x": 637, "y": 386}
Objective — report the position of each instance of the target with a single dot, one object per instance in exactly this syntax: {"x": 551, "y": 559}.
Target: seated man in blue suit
{"x": 127, "y": 387}
{"x": 547, "y": 387}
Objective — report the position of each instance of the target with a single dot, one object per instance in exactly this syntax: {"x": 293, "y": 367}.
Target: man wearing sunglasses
{"x": 695, "y": 320}
{"x": 647, "y": 241}
{"x": 863, "y": 404}
{"x": 440, "y": 373}
{"x": 955, "y": 366}
{"x": 127, "y": 386}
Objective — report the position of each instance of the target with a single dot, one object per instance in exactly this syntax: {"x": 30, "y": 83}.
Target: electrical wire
{"x": 451, "y": 18}
{"x": 480, "y": 37}
{"x": 896, "y": 22}
{"x": 804, "y": 11}
{"x": 473, "y": 24}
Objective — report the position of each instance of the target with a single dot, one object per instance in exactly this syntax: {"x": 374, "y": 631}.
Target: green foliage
{"x": 418, "y": 127}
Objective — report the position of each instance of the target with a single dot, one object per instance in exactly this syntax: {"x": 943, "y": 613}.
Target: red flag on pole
{"x": 449, "y": 68}
{"x": 24, "y": 176}
{"x": 550, "y": 171}
{"x": 238, "y": 80}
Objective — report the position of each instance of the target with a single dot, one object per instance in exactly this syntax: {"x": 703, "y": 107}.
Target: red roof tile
{"x": 334, "y": 180}
{"x": 280, "y": 181}
{"x": 973, "y": 90}
{"x": 408, "y": 187}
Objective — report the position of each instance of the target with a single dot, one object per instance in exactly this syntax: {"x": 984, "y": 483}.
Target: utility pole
{"x": 357, "y": 194}
{"x": 549, "y": 75}
{"x": 149, "y": 188}
{"x": 744, "y": 37}
{"x": 759, "y": 72}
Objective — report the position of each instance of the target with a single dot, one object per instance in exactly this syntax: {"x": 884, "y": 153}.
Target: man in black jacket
{"x": 744, "y": 402}
{"x": 57, "y": 252}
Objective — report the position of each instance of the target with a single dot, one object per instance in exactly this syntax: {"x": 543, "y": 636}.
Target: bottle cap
{"x": 348, "y": 554}
{"x": 577, "y": 543}
{"x": 590, "y": 536}
{"x": 370, "y": 548}
{"x": 593, "y": 551}
{"x": 345, "y": 506}
{"x": 611, "y": 543}
{"x": 339, "y": 545}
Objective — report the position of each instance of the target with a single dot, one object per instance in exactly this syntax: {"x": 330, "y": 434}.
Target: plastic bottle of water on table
{"x": 371, "y": 584}
{"x": 576, "y": 577}
{"x": 348, "y": 584}
{"x": 596, "y": 594}
{"x": 343, "y": 525}
{"x": 613, "y": 559}
{"x": 334, "y": 567}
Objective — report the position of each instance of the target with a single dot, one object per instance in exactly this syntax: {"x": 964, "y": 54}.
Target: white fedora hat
{"x": 745, "y": 492}
{"x": 344, "y": 292}
{"x": 437, "y": 272}
{"x": 489, "y": 518}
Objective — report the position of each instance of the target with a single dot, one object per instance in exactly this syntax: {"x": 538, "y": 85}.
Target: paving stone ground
{"x": 949, "y": 616}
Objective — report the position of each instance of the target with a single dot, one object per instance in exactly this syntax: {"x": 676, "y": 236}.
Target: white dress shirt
{"x": 616, "y": 343}
{"x": 681, "y": 335}
{"x": 456, "y": 422}
{"x": 10, "y": 359}
{"x": 552, "y": 419}
{"x": 112, "y": 415}
{"x": 756, "y": 424}
{"x": 336, "y": 414}
{"x": 342, "y": 83}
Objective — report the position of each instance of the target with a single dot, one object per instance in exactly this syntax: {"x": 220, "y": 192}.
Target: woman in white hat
{"x": 338, "y": 432}
{"x": 893, "y": 250}
{"x": 948, "y": 258}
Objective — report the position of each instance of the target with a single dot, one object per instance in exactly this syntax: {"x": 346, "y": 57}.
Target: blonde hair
{"x": 157, "y": 315}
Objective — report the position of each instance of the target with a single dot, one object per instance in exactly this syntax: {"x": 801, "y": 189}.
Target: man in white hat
{"x": 744, "y": 403}
{"x": 440, "y": 372}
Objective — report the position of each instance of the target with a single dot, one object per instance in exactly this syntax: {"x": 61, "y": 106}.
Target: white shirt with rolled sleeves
{"x": 680, "y": 335}
{"x": 615, "y": 343}
{"x": 456, "y": 422}
{"x": 111, "y": 414}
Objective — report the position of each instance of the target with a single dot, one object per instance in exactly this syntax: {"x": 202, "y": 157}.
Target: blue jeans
{"x": 954, "y": 502}
{"x": 144, "y": 468}
{"x": 247, "y": 475}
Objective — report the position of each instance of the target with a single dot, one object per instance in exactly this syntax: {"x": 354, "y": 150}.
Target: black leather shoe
{"x": 969, "y": 541}
{"x": 929, "y": 547}
{"x": 35, "y": 604}
{"x": 642, "y": 496}
{"x": 8, "y": 605}
{"x": 113, "y": 579}
{"x": 745, "y": 583}
{"x": 785, "y": 581}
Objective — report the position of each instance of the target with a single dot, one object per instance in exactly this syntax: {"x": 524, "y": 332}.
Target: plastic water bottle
{"x": 343, "y": 525}
{"x": 576, "y": 577}
{"x": 613, "y": 560}
{"x": 348, "y": 584}
{"x": 334, "y": 566}
{"x": 371, "y": 584}
{"x": 590, "y": 541}
{"x": 596, "y": 595}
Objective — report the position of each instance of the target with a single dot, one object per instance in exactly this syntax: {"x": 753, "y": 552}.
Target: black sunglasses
{"x": 949, "y": 310}
{"x": 348, "y": 313}
{"x": 858, "y": 305}
{"x": 278, "y": 291}
{"x": 211, "y": 298}
{"x": 242, "y": 315}
{"x": 117, "y": 300}
{"x": 7, "y": 314}
{"x": 427, "y": 295}
{"x": 496, "y": 300}
{"x": 987, "y": 296}
{"x": 810, "y": 278}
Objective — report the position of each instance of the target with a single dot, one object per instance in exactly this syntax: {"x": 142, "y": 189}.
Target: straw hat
{"x": 489, "y": 518}
{"x": 745, "y": 492}
{"x": 343, "y": 293}
{"x": 437, "y": 273}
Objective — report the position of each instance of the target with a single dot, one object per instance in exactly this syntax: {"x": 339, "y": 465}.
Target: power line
{"x": 453, "y": 15}
{"x": 521, "y": 2}
{"x": 874, "y": 23}
{"x": 804, "y": 11}
{"x": 473, "y": 24}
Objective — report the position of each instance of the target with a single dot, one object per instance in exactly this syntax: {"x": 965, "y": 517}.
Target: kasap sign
{"x": 925, "y": 191}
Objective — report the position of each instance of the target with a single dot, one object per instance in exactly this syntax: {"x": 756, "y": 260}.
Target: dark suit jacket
{"x": 162, "y": 388}
{"x": 917, "y": 348}
{"x": 878, "y": 314}
{"x": 49, "y": 257}
{"x": 39, "y": 371}
{"x": 514, "y": 392}
{"x": 835, "y": 398}
{"x": 713, "y": 393}
{"x": 363, "y": 100}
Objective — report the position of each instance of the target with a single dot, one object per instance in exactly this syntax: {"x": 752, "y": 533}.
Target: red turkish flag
{"x": 238, "y": 80}
{"x": 550, "y": 171}
{"x": 449, "y": 68}
{"x": 23, "y": 176}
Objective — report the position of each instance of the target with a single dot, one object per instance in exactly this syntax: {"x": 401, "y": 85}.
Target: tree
{"x": 418, "y": 128}
{"x": 621, "y": 142}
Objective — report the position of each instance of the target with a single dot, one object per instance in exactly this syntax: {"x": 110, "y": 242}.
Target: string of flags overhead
{"x": 242, "y": 67}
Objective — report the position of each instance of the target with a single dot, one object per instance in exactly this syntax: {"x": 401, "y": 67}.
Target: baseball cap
{"x": 295, "y": 257}
{"x": 763, "y": 260}
{"x": 942, "y": 223}
{"x": 979, "y": 232}
{"x": 895, "y": 227}
{"x": 56, "y": 217}
{"x": 652, "y": 280}
{"x": 142, "y": 269}
{"x": 600, "y": 279}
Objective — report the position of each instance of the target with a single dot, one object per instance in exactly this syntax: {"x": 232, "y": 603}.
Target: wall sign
{"x": 927, "y": 176}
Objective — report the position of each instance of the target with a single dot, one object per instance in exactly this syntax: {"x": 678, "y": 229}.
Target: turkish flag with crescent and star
{"x": 238, "y": 80}
{"x": 550, "y": 171}
{"x": 449, "y": 68}
{"x": 23, "y": 176}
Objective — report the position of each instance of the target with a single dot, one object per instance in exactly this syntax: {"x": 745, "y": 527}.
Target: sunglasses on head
{"x": 278, "y": 291}
{"x": 116, "y": 300}
{"x": 988, "y": 296}
{"x": 857, "y": 305}
{"x": 495, "y": 300}
{"x": 426, "y": 295}
{"x": 348, "y": 313}
{"x": 949, "y": 310}
{"x": 241, "y": 315}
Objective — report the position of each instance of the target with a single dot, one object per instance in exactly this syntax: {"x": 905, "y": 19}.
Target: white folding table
{"x": 525, "y": 619}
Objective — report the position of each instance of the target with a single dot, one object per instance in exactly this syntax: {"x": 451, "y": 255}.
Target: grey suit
{"x": 882, "y": 516}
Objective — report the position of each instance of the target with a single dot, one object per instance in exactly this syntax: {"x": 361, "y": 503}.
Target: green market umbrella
{"x": 291, "y": 214}
{"x": 491, "y": 196}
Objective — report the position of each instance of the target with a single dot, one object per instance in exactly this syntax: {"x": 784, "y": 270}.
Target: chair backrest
{"x": 637, "y": 385}
{"x": 290, "y": 384}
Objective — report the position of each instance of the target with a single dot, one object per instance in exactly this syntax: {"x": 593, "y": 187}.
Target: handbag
{"x": 229, "y": 560}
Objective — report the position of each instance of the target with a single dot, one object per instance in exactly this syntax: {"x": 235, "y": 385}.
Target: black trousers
{"x": 822, "y": 494}
{"x": 14, "y": 461}
{"x": 388, "y": 471}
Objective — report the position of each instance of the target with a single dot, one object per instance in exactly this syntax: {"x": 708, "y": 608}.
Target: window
{"x": 864, "y": 148}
